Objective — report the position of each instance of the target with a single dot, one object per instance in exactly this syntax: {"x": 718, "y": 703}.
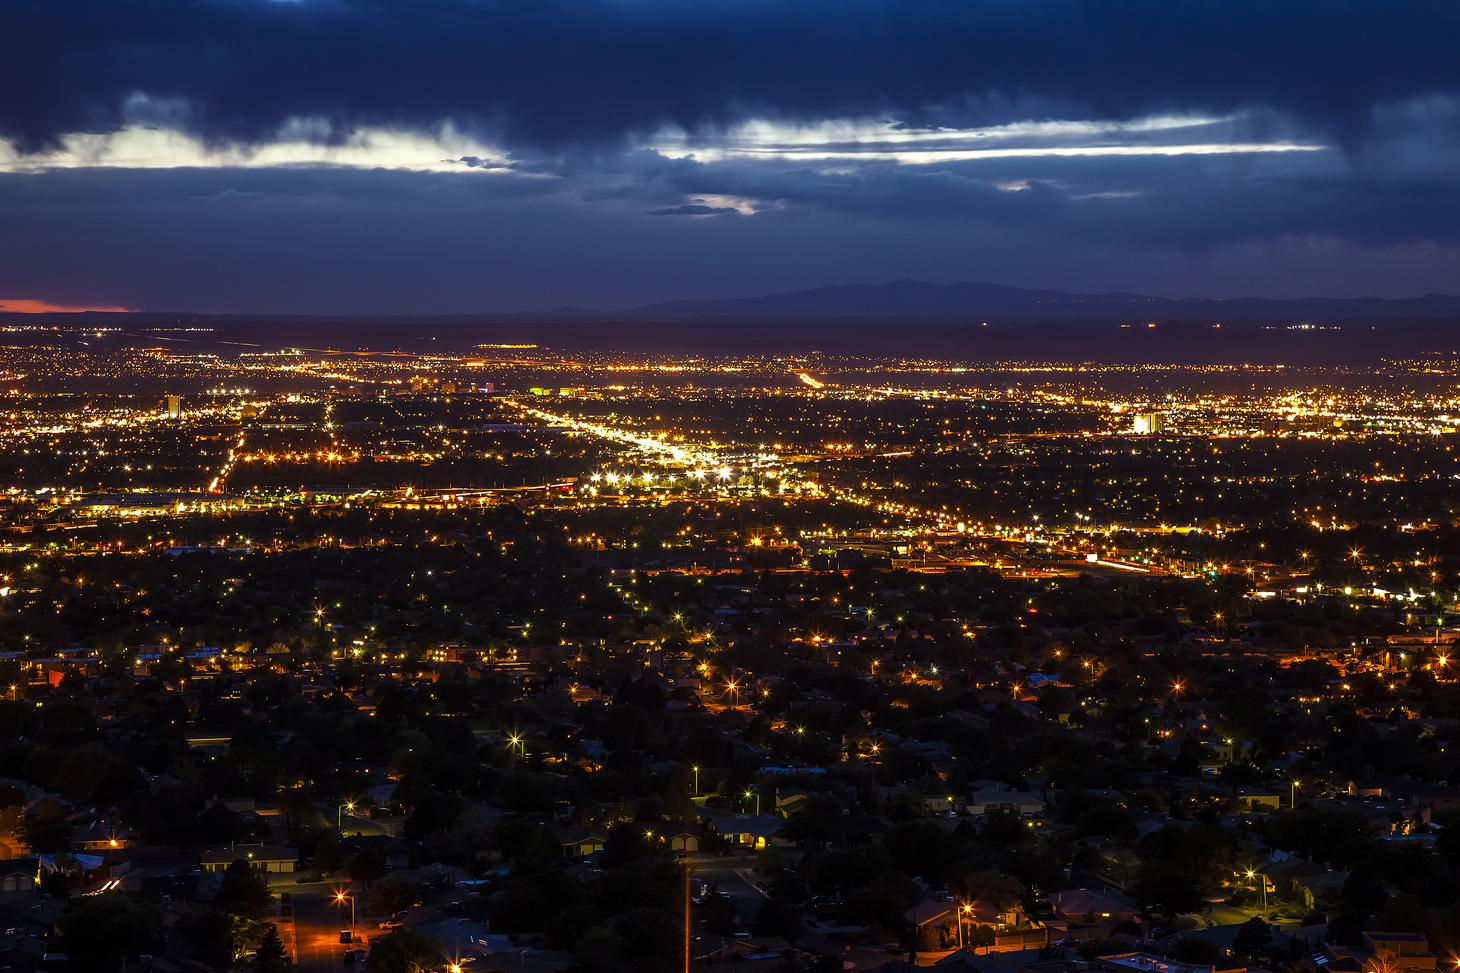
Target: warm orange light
{"x": 21, "y": 305}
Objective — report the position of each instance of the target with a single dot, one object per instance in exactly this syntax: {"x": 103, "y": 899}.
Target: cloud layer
{"x": 1198, "y": 147}
{"x": 581, "y": 73}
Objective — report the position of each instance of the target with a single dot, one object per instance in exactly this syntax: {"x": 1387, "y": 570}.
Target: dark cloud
{"x": 694, "y": 209}
{"x": 568, "y": 90}
{"x": 580, "y": 74}
{"x": 477, "y": 162}
{"x": 356, "y": 240}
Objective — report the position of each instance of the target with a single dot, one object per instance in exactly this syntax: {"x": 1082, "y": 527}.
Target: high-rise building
{"x": 174, "y": 406}
{"x": 1150, "y": 422}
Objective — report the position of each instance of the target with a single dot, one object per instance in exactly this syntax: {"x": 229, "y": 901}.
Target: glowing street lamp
{"x": 341, "y": 898}
{"x": 340, "y": 814}
{"x": 1250, "y": 876}
{"x": 749, "y": 794}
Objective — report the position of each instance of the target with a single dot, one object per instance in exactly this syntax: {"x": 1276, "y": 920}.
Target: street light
{"x": 340, "y": 899}
{"x": 963, "y": 910}
{"x": 696, "y": 769}
{"x": 750, "y": 794}
{"x": 340, "y": 815}
{"x": 1250, "y": 876}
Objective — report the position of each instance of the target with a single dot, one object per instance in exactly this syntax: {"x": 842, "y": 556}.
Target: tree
{"x": 206, "y": 936}
{"x": 404, "y": 951}
{"x": 368, "y": 865}
{"x": 46, "y": 829}
{"x": 244, "y": 892}
{"x": 1320, "y": 834}
{"x": 391, "y": 894}
{"x": 778, "y": 917}
{"x": 818, "y": 823}
{"x": 1189, "y": 949}
{"x": 1383, "y": 961}
{"x": 1401, "y": 913}
{"x": 1363, "y": 890}
{"x": 1169, "y": 890}
{"x": 103, "y": 931}
{"x": 270, "y": 956}
{"x": 1253, "y": 939}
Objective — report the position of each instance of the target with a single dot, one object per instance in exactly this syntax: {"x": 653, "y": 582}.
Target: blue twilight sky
{"x": 488, "y": 155}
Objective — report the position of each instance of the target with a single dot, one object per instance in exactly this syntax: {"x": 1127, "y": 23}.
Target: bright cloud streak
{"x": 844, "y": 140}
{"x": 140, "y": 147}
{"x": 919, "y": 156}
{"x": 883, "y": 141}
{"x": 763, "y": 132}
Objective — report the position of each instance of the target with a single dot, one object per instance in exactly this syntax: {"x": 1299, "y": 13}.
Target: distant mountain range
{"x": 964, "y": 302}
{"x": 933, "y": 305}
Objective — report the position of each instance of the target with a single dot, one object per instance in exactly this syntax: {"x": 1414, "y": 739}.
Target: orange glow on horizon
{"x": 22, "y": 305}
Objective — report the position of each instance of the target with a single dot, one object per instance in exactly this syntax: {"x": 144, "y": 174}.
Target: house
{"x": 581, "y": 842}
{"x": 929, "y": 911}
{"x": 1334, "y": 958}
{"x": 273, "y": 859}
{"x": 752, "y": 830}
{"x": 1439, "y": 797}
{"x": 998, "y": 799}
{"x": 1096, "y": 908}
{"x": 102, "y": 836}
{"x": 790, "y": 800}
{"x": 18, "y": 874}
{"x": 1366, "y": 787}
{"x": 1257, "y": 799}
{"x": 1392, "y": 952}
{"x": 934, "y": 923}
{"x": 1305, "y": 881}
{"x": 1224, "y": 938}
{"x": 1057, "y": 960}
{"x": 683, "y": 838}
{"x": 1140, "y": 962}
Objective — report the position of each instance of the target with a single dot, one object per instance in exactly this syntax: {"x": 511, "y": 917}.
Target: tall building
{"x": 1150, "y": 422}
{"x": 174, "y": 406}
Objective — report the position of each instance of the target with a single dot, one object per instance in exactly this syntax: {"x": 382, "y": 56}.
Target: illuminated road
{"x": 1066, "y": 542}
{"x": 318, "y": 920}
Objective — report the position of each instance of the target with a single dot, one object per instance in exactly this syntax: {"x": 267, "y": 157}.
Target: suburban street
{"x": 734, "y": 877}
{"x": 318, "y": 919}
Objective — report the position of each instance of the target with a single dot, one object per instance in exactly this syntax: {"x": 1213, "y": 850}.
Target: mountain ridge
{"x": 959, "y": 303}
{"x": 971, "y": 301}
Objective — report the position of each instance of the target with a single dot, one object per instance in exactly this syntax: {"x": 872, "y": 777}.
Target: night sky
{"x": 468, "y": 155}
